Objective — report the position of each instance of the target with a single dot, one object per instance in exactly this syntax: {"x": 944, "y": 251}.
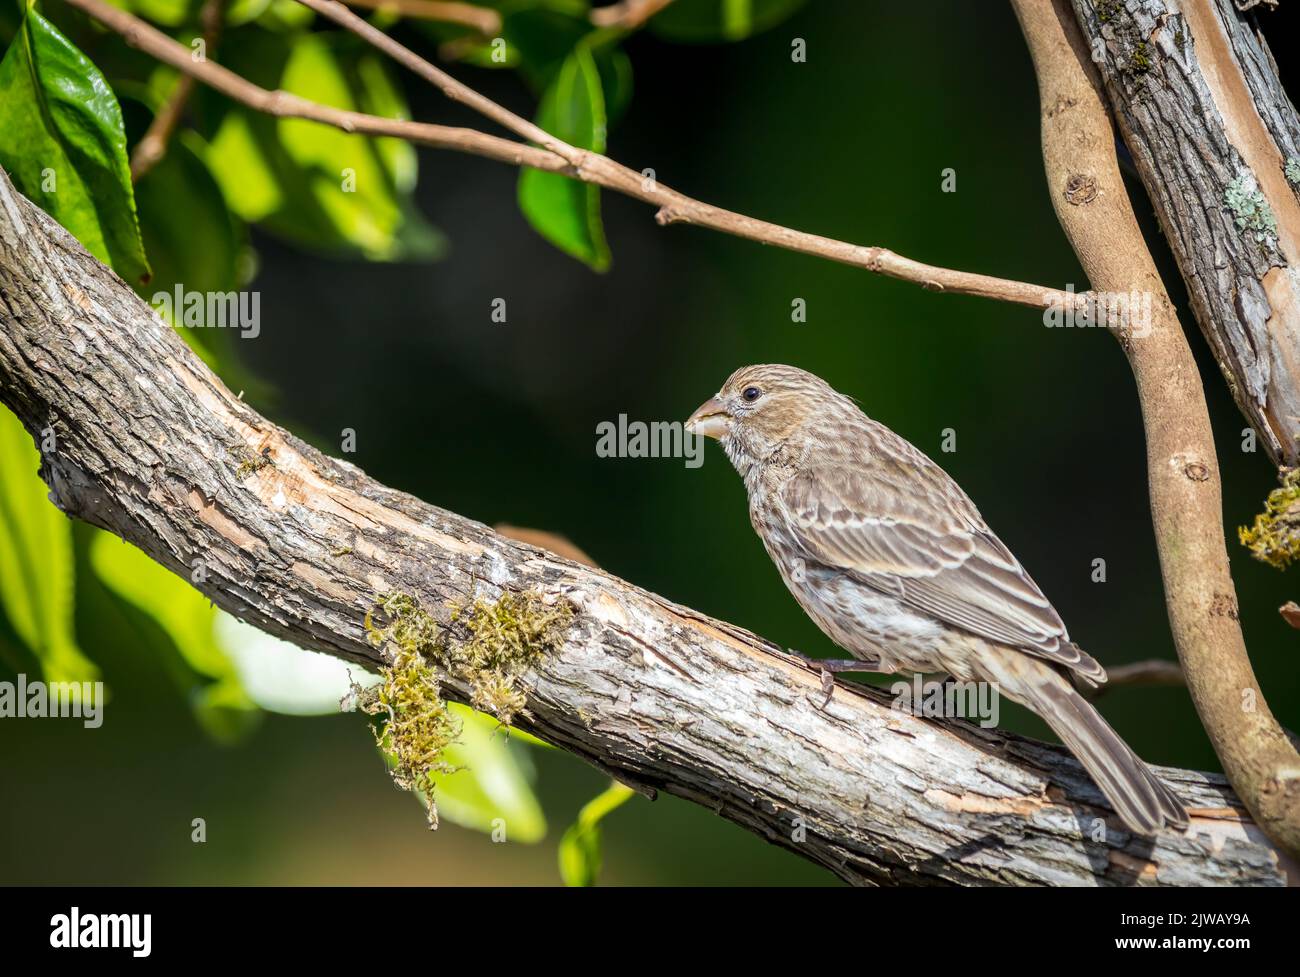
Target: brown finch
{"x": 892, "y": 560}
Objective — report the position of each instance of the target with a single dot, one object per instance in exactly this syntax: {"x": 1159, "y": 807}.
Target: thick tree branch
{"x": 151, "y": 446}
{"x": 555, "y": 156}
{"x": 1182, "y": 468}
{"x": 1216, "y": 141}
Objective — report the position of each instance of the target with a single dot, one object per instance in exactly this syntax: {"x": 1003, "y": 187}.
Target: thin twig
{"x": 677, "y": 208}
{"x": 627, "y": 14}
{"x": 557, "y": 156}
{"x": 485, "y": 20}
{"x": 286, "y": 105}
{"x": 152, "y": 146}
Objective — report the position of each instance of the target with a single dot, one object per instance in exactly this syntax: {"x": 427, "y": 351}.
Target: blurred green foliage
{"x": 36, "y": 570}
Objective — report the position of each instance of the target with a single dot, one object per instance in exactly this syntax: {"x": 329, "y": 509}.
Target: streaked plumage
{"x": 891, "y": 559}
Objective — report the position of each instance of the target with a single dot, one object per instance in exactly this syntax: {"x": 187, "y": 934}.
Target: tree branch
{"x": 1182, "y": 469}
{"x": 556, "y": 156}
{"x": 150, "y": 445}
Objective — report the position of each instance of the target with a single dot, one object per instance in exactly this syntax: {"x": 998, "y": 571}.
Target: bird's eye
{"x": 752, "y": 394}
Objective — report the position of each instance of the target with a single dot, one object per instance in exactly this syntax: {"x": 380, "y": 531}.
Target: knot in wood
{"x": 1080, "y": 189}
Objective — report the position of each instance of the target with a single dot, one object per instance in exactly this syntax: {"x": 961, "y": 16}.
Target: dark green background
{"x": 497, "y": 421}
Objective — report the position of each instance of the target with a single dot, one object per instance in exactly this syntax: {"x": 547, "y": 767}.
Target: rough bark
{"x": 151, "y": 446}
{"x": 1196, "y": 95}
{"x": 1182, "y": 468}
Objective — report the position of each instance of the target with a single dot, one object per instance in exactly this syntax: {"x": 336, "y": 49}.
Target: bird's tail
{"x": 1140, "y": 798}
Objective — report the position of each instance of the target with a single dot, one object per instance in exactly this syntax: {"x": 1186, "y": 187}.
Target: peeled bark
{"x": 1195, "y": 92}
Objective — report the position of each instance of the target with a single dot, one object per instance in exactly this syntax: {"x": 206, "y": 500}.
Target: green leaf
{"x": 539, "y": 38}
{"x": 62, "y": 142}
{"x": 221, "y": 705}
{"x": 567, "y": 212}
{"x": 708, "y": 21}
{"x": 281, "y": 677}
{"x": 174, "y": 13}
{"x": 615, "y": 69}
{"x": 36, "y": 562}
{"x": 189, "y": 234}
{"x": 312, "y": 184}
{"x": 492, "y": 789}
{"x": 579, "y": 854}
{"x": 193, "y": 241}
{"x": 169, "y": 13}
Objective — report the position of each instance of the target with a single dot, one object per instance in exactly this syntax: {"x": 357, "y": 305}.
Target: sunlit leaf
{"x": 169, "y": 13}
{"x": 310, "y": 183}
{"x": 61, "y": 140}
{"x": 492, "y": 790}
{"x": 567, "y": 212}
{"x": 36, "y": 561}
{"x": 220, "y": 704}
{"x": 281, "y": 677}
{"x": 285, "y": 16}
{"x": 580, "y": 854}
{"x": 176, "y": 13}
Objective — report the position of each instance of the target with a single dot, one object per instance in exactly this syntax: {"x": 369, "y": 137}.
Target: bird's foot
{"x": 828, "y": 667}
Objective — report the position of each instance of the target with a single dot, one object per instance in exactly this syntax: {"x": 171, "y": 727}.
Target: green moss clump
{"x": 1141, "y": 61}
{"x": 505, "y": 637}
{"x": 249, "y": 461}
{"x": 418, "y": 725}
{"x": 1275, "y": 537}
{"x": 1107, "y": 9}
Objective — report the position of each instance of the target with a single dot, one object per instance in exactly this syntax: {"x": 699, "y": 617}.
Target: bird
{"x": 893, "y": 562}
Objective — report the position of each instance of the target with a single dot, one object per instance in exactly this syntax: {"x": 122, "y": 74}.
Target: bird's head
{"x": 758, "y": 409}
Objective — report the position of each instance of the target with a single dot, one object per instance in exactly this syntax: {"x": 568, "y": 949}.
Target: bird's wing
{"x": 908, "y": 530}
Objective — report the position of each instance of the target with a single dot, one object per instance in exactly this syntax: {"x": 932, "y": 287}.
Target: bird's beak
{"x": 710, "y": 419}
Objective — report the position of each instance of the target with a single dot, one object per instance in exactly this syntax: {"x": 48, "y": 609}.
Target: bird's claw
{"x": 827, "y": 676}
{"x": 828, "y": 688}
